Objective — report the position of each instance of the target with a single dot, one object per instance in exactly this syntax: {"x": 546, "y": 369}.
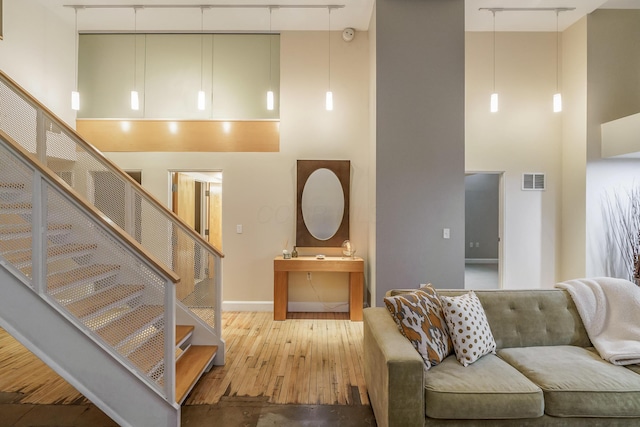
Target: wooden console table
{"x": 282, "y": 267}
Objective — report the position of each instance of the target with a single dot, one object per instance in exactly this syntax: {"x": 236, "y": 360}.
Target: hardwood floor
{"x": 308, "y": 359}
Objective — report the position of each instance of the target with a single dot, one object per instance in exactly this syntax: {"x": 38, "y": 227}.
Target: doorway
{"x": 196, "y": 197}
{"x": 483, "y": 230}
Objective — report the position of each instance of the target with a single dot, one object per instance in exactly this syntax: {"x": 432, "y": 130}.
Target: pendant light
{"x": 493, "y": 104}
{"x": 329, "y": 95}
{"x": 75, "y": 95}
{"x": 557, "y": 97}
{"x": 135, "y": 100}
{"x": 201, "y": 99}
{"x": 270, "y": 98}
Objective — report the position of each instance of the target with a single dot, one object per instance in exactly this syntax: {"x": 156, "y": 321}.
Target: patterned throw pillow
{"x": 419, "y": 317}
{"x": 468, "y": 327}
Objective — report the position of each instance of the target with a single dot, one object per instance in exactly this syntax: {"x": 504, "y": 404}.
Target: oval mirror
{"x": 323, "y": 204}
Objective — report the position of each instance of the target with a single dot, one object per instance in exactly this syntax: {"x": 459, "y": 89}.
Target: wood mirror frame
{"x": 342, "y": 170}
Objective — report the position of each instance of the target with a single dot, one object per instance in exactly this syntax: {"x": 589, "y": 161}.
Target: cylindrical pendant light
{"x": 201, "y": 96}
{"x": 493, "y": 104}
{"x": 270, "y": 97}
{"x": 135, "y": 101}
{"x": 557, "y": 97}
{"x": 75, "y": 95}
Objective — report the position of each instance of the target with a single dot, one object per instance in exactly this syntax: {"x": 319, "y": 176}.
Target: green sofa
{"x": 545, "y": 372}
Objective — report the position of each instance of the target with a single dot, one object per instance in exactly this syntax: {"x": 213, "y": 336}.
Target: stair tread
{"x": 116, "y": 331}
{"x": 182, "y": 332}
{"x": 24, "y": 229}
{"x": 148, "y": 355}
{"x": 15, "y": 207}
{"x": 52, "y": 251}
{"x": 17, "y": 186}
{"x": 96, "y": 302}
{"x": 80, "y": 274}
{"x": 190, "y": 368}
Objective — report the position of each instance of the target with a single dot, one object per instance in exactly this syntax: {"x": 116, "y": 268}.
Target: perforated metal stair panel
{"x": 105, "y": 285}
{"x": 17, "y": 118}
{"x": 15, "y": 212}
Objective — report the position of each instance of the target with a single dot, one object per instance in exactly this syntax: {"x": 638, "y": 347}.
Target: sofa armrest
{"x": 393, "y": 371}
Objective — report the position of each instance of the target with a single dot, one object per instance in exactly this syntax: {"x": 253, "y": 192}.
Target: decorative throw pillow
{"x": 419, "y": 317}
{"x": 468, "y": 327}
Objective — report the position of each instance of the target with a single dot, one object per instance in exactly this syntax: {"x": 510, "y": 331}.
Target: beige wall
{"x": 37, "y": 52}
{"x": 574, "y": 151}
{"x": 524, "y": 136}
{"x": 259, "y": 189}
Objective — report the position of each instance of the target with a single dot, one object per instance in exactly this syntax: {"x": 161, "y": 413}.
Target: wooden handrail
{"x": 87, "y": 146}
{"x": 93, "y": 211}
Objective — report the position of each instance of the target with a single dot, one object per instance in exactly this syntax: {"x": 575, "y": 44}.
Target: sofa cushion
{"x": 577, "y": 382}
{"x": 419, "y": 317}
{"x": 468, "y": 327}
{"x": 488, "y": 389}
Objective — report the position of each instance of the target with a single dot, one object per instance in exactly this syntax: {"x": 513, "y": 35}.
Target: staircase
{"x": 141, "y": 334}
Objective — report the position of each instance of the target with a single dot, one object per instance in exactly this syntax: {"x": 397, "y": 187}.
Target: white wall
{"x": 524, "y": 136}
{"x": 38, "y": 53}
{"x": 259, "y": 188}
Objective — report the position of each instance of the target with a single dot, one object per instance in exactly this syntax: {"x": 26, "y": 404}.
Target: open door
{"x": 197, "y": 199}
{"x": 483, "y": 230}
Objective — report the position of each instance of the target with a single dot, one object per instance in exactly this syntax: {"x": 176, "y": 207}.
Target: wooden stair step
{"x": 190, "y": 368}
{"x": 25, "y": 230}
{"x": 15, "y": 244}
{"x": 70, "y": 249}
{"x": 15, "y": 208}
{"x": 81, "y": 275}
{"x": 127, "y": 325}
{"x": 183, "y": 332}
{"x": 96, "y": 302}
{"x": 13, "y": 187}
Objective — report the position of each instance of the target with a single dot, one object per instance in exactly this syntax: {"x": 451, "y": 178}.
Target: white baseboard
{"x": 481, "y": 260}
{"x": 247, "y": 306}
{"x": 318, "y": 307}
{"x": 311, "y": 307}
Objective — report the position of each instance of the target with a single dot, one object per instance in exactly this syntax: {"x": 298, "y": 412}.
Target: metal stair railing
{"x": 60, "y": 247}
{"x": 120, "y": 198}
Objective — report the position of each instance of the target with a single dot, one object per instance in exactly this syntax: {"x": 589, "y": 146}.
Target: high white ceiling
{"x": 351, "y": 13}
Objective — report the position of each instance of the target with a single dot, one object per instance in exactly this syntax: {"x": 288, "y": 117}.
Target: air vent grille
{"x": 533, "y": 181}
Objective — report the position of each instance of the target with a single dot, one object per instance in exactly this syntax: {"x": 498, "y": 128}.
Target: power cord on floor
{"x": 326, "y": 306}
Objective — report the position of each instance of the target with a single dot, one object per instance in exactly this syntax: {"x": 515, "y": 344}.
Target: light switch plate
{"x": 239, "y": 228}
{"x": 446, "y": 233}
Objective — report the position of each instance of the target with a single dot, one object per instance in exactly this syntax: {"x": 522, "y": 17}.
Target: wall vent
{"x": 533, "y": 181}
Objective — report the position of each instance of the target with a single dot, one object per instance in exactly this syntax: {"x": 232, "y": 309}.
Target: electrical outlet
{"x": 477, "y": 244}
{"x": 470, "y": 244}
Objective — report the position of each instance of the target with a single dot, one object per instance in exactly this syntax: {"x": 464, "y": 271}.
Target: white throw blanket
{"x": 610, "y": 311}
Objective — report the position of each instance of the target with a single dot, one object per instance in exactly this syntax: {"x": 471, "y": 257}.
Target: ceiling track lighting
{"x": 205, "y": 6}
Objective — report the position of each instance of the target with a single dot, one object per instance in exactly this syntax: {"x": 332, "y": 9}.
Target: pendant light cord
{"x": 201, "y": 46}
{"x": 557, "y": 53}
{"x": 329, "y": 32}
{"x": 270, "y": 47}
{"x": 76, "y": 50}
{"x": 494, "y": 51}
{"x": 135, "y": 47}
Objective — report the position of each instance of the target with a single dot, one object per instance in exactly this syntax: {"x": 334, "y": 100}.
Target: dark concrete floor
{"x": 229, "y": 412}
